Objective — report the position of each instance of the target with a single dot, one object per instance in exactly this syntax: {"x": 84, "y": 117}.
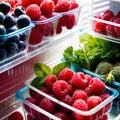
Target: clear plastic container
{"x": 23, "y": 35}
{"x": 22, "y": 94}
{"x": 105, "y": 19}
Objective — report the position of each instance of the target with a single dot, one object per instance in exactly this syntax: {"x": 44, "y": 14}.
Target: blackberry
{"x": 3, "y": 54}
{"x": 103, "y": 67}
{"x": 5, "y": 7}
{"x": 9, "y": 21}
{"x": 23, "y": 21}
{"x": 2, "y": 17}
{"x": 19, "y": 11}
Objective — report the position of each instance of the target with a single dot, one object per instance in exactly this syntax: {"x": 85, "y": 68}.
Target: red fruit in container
{"x": 66, "y": 74}
{"x": 97, "y": 86}
{"x": 36, "y": 36}
{"x": 59, "y": 29}
{"x": 81, "y": 105}
{"x": 93, "y": 101}
{"x": 16, "y": 116}
{"x": 63, "y": 19}
{"x": 71, "y": 21}
{"x": 79, "y": 81}
{"x": 73, "y": 4}
{"x": 47, "y": 7}
{"x": 107, "y": 15}
{"x": 117, "y": 28}
{"x": 61, "y": 115}
{"x": 32, "y": 92}
{"x": 62, "y": 6}
{"x": 33, "y": 11}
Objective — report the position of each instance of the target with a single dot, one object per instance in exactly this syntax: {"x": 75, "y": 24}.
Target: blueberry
{"x": 12, "y": 48}
{"x": 9, "y": 21}
{"x": 3, "y": 54}
{"x": 21, "y": 46}
{"x": 5, "y": 7}
{"x": 19, "y": 11}
{"x": 2, "y": 17}
{"x": 2, "y": 30}
{"x": 23, "y": 36}
{"x": 23, "y": 21}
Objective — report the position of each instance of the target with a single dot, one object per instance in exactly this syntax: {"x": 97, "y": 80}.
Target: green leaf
{"x": 59, "y": 67}
{"x": 42, "y": 69}
{"x": 38, "y": 82}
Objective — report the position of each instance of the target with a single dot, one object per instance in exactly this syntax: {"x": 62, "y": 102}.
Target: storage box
{"x": 96, "y": 113}
{"x": 14, "y": 43}
{"x": 105, "y": 19}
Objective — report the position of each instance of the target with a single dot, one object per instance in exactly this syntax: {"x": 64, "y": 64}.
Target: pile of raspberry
{"x": 79, "y": 90}
{"x": 108, "y": 29}
{"x": 42, "y": 10}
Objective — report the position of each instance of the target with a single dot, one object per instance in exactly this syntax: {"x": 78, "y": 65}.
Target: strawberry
{"x": 61, "y": 115}
{"x": 16, "y": 116}
{"x": 93, "y": 101}
{"x": 65, "y": 74}
{"x": 81, "y": 105}
{"x": 79, "y": 94}
{"x": 50, "y": 80}
{"x": 79, "y": 81}
{"x": 96, "y": 83}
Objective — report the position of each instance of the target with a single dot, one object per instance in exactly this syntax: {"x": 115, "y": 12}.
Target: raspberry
{"x": 47, "y": 7}
{"x": 105, "y": 117}
{"x": 79, "y": 80}
{"x": 33, "y": 11}
{"x": 116, "y": 28}
{"x": 79, "y": 94}
{"x": 81, "y": 105}
{"x": 59, "y": 29}
{"x": 55, "y": 1}
{"x": 61, "y": 115}
{"x": 32, "y": 92}
{"x": 65, "y": 74}
{"x": 96, "y": 83}
{"x": 107, "y": 15}
{"x": 88, "y": 91}
{"x": 47, "y": 105}
{"x": 35, "y": 36}
{"x": 73, "y": 4}
{"x": 93, "y": 101}
{"x": 104, "y": 96}
{"x": 62, "y": 6}
{"x": 16, "y": 116}
{"x": 71, "y": 21}
{"x": 63, "y": 19}
{"x": 60, "y": 88}
{"x": 50, "y": 80}
{"x": 43, "y": 117}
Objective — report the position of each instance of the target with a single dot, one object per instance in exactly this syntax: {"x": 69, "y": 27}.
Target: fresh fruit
{"x": 66, "y": 74}
{"x": 2, "y": 30}
{"x": 73, "y": 4}
{"x": 61, "y": 115}
{"x": 96, "y": 83}
{"x": 3, "y": 54}
{"x": 116, "y": 28}
{"x": 93, "y": 101}
{"x": 19, "y": 11}
{"x": 81, "y": 105}
{"x": 21, "y": 46}
{"x": 2, "y": 17}
{"x": 16, "y": 116}
{"x": 107, "y": 15}
{"x": 33, "y": 11}
{"x": 47, "y": 7}
{"x": 62, "y": 6}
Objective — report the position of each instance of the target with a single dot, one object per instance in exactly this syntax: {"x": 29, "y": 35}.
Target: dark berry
{"x": 19, "y": 10}
{"x": 2, "y": 42}
{"x": 21, "y": 46}
{"x": 2, "y": 30}
{"x": 12, "y": 48}
{"x": 23, "y": 36}
{"x": 2, "y": 17}
{"x": 3, "y": 54}
{"x": 23, "y": 21}
{"x": 9, "y": 21}
{"x": 5, "y": 7}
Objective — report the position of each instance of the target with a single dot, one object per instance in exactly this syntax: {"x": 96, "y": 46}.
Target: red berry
{"x": 55, "y": 1}
{"x": 104, "y": 96}
{"x": 65, "y": 74}
{"x": 63, "y": 19}
{"x": 60, "y": 88}
{"x": 47, "y": 7}
{"x": 50, "y": 80}
{"x": 16, "y": 116}
{"x": 59, "y": 29}
{"x": 81, "y": 105}
{"x": 32, "y": 92}
{"x": 36, "y": 36}
{"x": 107, "y": 15}
{"x": 96, "y": 83}
{"x": 93, "y": 101}
{"x": 73, "y": 4}
{"x": 79, "y": 94}
{"x": 33, "y": 11}
{"x": 47, "y": 105}
{"x": 62, "y": 6}
{"x": 105, "y": 117}
{"x": 71, "y": 21}
{"x": 88, "y": 91}
{"x": 79, "y": 80}
{"x": 61, "y": 115}
{"x": 116, "y": 28}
